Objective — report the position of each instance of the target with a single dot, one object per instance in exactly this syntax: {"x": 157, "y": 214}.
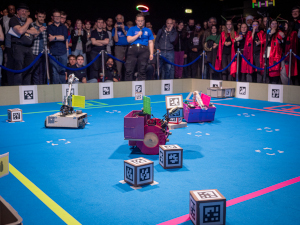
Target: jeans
{"x": 80, "y": 52}
{"x": 168, "y": 72}
{"x": 1, "y": 60}
{"x": 58, "y": 72}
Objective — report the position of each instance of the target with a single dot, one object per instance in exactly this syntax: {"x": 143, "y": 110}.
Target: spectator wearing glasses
{"x": 140, "y": 49}
{"x": 226, "y": 52}
{"x": 57, "y": 37}
{"x": 79, "y": 40}
{"x": 119, "y": 34}
{"x": 254, "y": 51}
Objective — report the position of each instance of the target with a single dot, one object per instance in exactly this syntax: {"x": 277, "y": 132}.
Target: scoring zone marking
{"x": 264, "y": 110}
{"x": 59, "y": 211}
{"x": 240, "y": 199}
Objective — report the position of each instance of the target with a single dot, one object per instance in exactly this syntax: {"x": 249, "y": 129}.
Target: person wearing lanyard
{"x": 141, "y": 45}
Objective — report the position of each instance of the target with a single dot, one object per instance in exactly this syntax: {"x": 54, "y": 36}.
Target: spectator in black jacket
{"x": 79, "y": 39}
{"x": 164, "y": 41}
{"x": 111, "y": 72}
{"x": 195, "y": 47}
{"x": 180, "y": 48}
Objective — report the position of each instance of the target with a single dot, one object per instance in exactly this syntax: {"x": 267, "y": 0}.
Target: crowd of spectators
{"x": 76, "y": 43}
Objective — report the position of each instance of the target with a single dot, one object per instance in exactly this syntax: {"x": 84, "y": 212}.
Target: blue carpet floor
{"x": 82, "y": 173}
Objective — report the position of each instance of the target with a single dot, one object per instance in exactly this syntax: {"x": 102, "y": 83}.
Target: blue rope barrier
{"x": 258, "y": 68}
{"x": 225, "y": 67}
{"x": 180, "y": 65}
{"x": 74, "y": 69}
{"x": 111, "y": 56}
{"x": 26, "y": 68}
{"x": 297, "y": 57}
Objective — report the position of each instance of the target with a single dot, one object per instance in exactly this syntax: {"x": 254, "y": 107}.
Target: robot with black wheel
{"x": 67, "y": 117}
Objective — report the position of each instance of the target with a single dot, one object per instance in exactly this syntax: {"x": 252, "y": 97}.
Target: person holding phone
{"x": 119, "y": 34}
{"x": 39, "y": 44}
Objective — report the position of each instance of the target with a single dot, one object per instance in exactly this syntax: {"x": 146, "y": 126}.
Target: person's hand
{"x": 115, "y": 79}
{"x": 151, "y": 56}
{"x": 272, "y": 31}
{"x": 185, "y": 56}
{"x": 215, "y": 45}
{"x": 140, "y": 33}
{"x": 122, "y": 26}
{"x": 257, "y": 43}
{"x": 227, "y": 43}
{"x": 42, "y": 28}
{"x": 281, "y": 34}
{"x": 239, "y": 38}
{"x": 194, "y": 50}
{"x": 29, "y": 20}
{"x": 116, "y": 26}
{"x": 51, "y": 37}
{"x": 171, "y": 27}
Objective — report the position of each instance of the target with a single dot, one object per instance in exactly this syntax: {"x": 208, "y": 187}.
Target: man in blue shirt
{"x": 140, "y": 49}
{"x": 120, "y": 41}
{"x": 57, "y": 36}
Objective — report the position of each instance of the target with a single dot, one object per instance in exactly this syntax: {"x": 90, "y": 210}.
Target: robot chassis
{"x": 67, "y": 117}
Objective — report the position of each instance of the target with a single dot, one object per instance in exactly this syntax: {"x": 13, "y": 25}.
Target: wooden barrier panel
{"x": 9, "y": 95}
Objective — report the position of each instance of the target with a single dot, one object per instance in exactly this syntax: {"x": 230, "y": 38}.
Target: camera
{"x": 119, "y": 24}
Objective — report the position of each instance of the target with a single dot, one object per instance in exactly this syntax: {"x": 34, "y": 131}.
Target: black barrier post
{"x": 290, "y": 67}
{"x": 47, "y": 63}
{"x": 203, "y": 55}
{"x": 103, "y": 65}
{"x": 237, "y": 65}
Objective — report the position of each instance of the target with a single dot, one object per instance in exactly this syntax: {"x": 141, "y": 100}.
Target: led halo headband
{"x": 142, "y": 8}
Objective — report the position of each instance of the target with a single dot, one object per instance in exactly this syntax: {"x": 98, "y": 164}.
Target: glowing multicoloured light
{"x": 142, "y": 8}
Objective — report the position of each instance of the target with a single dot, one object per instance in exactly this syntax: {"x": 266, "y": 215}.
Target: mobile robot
{"x": 199, "y": 109}
{"x": 67, "y": 117}
{"x": 146, "y": 132}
